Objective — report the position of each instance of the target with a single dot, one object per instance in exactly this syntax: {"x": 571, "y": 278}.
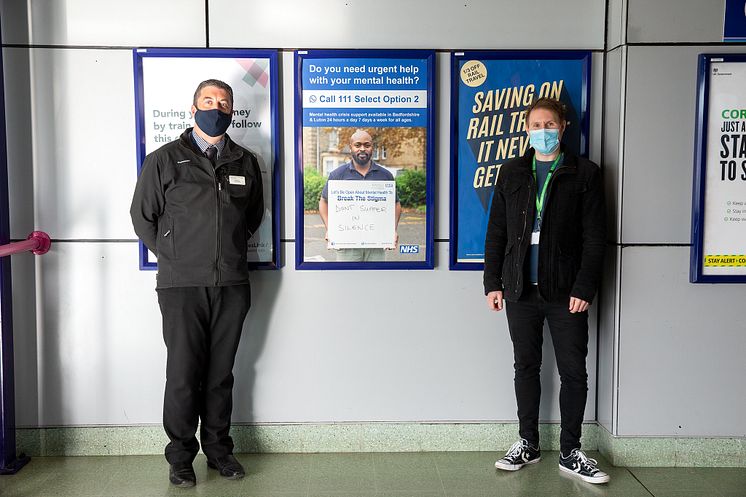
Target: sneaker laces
{"x": 516, "y": 448}
{"x": 585, "y": 461}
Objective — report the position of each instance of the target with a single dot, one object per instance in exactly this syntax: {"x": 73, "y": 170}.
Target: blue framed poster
{"x": 364, "y": 123}
{"x": 734, "y": 21}
{"x": 718, "y": 253}
{"x": 490, "y": 91}
{"x": 165, "y": 80}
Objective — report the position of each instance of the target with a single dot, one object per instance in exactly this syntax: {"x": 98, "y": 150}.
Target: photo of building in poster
{"x": 363, "y": 177}
{"x": 719, "y": 211}
{"x": 490, "y": 92}
{"x": 165, "y": 80}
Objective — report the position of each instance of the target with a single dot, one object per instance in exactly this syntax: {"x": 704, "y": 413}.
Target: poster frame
{"x": 302, "y": 56}
{"x": 699, "y": 183}
{"x": 584, "y": 122}
{"x": 138, "y": 54}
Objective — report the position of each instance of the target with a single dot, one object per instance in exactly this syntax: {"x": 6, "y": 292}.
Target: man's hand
{"x": 495, "y": 300}
{"x": 577, "y": 305}
{"x": 396, "y": 241}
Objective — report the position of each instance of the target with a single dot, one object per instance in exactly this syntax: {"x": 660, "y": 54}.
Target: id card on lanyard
{"x": 535, "y": 235}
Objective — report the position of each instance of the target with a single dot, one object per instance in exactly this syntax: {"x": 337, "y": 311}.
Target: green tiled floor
{"x": 436, "y": 474}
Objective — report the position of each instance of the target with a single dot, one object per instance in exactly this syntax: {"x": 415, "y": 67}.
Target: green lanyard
{"x": 540, "y": 198}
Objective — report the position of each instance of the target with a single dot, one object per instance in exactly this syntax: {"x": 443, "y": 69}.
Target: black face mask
{"x": 213, "y": 122}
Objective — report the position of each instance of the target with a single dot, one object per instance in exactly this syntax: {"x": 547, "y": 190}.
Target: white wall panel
{"x": 145, "y": 23}
{"x": 596, "y": 107}
{"x": 613, "y": 137}
{"x": 411, "y": 24}
{"x": 24, "y": 334}
{"x": 675, "y": 20}
{"x": 18, "y": 118}
{"x": 659, "y": 142}
{"x": 14, "y": 21}
{"x": 616, "y": 23}
{"x": 100, "y": 352}
{"x": 84, "y": 156}
{"x": 287, "y": 163}
{"x": 607, "y": 340}
{"x": 318, "y": 346}
{"x": 681, "y": 349}
{"x": 442, "y": 149}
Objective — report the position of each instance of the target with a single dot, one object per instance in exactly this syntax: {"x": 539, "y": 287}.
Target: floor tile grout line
{"x": 307, "y": 493}
{"x": 375, "y": 473}
{"x": 437, "y": 470}
{"x": 640, "y": 482}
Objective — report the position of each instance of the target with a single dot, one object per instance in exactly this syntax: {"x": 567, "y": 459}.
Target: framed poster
{"x": 734, "y": 21}
{"x": 364, "y": 159}
{"x": 165, "y": 80}
{"x": 490, "y": 91}
{"x": 718, "y": 253}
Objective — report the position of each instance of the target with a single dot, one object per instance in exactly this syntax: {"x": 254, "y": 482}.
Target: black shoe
{"x": 519, "y": 455}
{"x": 182, "y": 475}
{"x": 228, "y": 467}
{"x": 581, "y": 466}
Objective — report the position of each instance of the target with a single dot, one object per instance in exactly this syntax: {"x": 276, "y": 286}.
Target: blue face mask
{"x": 213, "y": 122}
{"x": 544, "y": 141}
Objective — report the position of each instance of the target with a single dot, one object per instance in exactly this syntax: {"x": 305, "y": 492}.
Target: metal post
{"x": 9, "y": 462}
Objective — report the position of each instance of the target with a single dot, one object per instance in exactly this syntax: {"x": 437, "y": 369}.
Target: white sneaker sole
{"x": 515, "y": 467}
{"x": 590, "y": 479}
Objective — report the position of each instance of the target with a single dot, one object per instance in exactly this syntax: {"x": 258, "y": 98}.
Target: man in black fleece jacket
{"x": 197, "y": 202}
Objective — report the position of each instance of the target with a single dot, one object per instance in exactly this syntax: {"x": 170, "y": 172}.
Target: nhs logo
{"x": 409, "y": 249}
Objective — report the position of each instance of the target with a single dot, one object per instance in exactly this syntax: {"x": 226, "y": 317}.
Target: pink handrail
{"x": 37, "y": 242}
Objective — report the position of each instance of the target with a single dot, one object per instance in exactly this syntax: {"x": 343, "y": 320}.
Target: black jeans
{"x": 201, "y": 327}
{"x": 570, "y": 338}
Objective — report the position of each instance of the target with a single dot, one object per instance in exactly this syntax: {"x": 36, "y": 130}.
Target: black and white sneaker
{"x": 579, "y": 465}
{"x": 520, "y": 454}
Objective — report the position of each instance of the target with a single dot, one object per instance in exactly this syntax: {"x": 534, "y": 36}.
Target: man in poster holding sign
{"x": 361, "y": 168}
{"x": 544, "y": 250}
{"x": 197, "y": 202}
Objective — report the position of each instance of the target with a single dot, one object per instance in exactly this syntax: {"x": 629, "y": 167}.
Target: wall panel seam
{"x": 279, "y": 49}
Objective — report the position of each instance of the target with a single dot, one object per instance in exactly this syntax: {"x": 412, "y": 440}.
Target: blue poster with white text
{"x": 364, "y": 123}
{"x": 365, "y": 92}
{"x": 490, "y": 94}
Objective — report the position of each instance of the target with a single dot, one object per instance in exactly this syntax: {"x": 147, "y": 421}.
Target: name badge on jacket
{"x": 237, "y": 180}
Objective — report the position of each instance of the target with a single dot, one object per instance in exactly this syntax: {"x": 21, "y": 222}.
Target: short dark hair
{"x": 212, "y": 82}
{"x": 550, "y": 104}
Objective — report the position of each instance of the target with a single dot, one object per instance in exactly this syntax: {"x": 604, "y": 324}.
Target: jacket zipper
{"x": 559, "y": 170}
{"x": 519, "y": 271}
{"x": 218, "y": 192}
{"x": 218, "y": 189}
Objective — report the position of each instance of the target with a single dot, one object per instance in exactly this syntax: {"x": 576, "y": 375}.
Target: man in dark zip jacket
{"x": 544, "y": 254}
{"x": 197, "y": 202}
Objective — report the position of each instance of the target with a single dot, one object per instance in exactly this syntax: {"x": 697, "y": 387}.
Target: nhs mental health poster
{"x": 364, "y": 155}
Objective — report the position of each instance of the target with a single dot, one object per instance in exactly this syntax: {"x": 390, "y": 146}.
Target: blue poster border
{"x": 456, "y": 58}
{"x": 307, "y": 55}
{"x": 137, "y": 56}
{"x": 699, "y": 186}
{"x": 734, "y": 22}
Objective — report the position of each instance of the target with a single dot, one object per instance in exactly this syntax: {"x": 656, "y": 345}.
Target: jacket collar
{"x": 231, "y": 151}
{"x": 570, "y": 160}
